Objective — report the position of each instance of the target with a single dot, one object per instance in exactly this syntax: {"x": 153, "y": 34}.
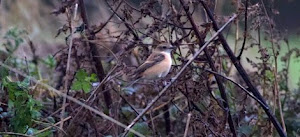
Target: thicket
{"x": 82, "y": 90}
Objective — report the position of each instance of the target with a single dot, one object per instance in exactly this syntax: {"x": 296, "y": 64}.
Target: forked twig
{"x": 53, "y": 125}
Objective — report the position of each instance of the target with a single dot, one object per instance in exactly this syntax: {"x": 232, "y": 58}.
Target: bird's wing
{"x": 151, "y": 61}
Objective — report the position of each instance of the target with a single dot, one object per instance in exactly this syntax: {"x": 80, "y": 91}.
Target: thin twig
{"x": 240, "y": 86}
{"x": 67, "y": 72}
{"x": 152, "y": 124}
{"x": 177, "y": 76}
{"x": 103, "y": 25}
{"x": 127, "y": 102}
{"x": 54, "y": 125}
{"x": 277, "y": 95}
{"x": 70, "y": 98}
{"x": 127, "y": 25}
{"x": 188, "y": 121}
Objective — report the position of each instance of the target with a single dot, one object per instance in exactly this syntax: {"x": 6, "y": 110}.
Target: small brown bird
{"x": 157, "y": 65}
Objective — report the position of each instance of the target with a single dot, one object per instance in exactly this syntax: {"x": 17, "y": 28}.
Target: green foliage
{"x": 21, "y": 104}
{"x": 3, "y": 72}
{"x": 269, "y": 74}
{"x": 50, "y": 61}
{"x": 13, "y": 39}
{"x": 83, "y": 81}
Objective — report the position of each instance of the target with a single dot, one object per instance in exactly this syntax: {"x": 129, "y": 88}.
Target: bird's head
{"x": 164, "y": 47}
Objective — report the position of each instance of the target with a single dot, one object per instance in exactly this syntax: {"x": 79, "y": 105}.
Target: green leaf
{"x": 83, "y": 81}
{"x": 76, "y": 85}
{"x": 86, "y": 87}
{"x": 25, "y": 83}
{"x": 269, "y": 74}
{"x": 93, "y": 77}
{"x": 81, "y": 75}
{"x": 50, "y": 61}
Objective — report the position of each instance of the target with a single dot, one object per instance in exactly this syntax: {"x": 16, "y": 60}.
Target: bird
{"x": 157, "y": 65}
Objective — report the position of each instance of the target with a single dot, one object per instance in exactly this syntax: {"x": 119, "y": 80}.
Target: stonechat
{"x": 157, "y": 65}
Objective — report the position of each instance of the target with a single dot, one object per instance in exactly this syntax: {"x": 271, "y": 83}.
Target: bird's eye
{"x": 164, "y": 47}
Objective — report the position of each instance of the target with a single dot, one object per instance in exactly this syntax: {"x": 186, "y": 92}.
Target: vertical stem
{"x": 236, "y": 37}
{"x": 66, "y": 84}
{"x": 277, "y": 95}
{"x": 167, "y": 119}
{"x": 98, "y": 63}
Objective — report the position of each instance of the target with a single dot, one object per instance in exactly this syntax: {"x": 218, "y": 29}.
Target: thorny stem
{"x": 242, "y": 72}
{"x": 176, "y": 77}
{"x": 211, "y": 64}
{"x": 277, "y": 95}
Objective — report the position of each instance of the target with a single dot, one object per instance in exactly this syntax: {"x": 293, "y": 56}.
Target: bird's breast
{"x": 160, "y": 69}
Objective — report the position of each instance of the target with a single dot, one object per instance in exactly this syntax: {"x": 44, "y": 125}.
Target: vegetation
{"x": 233, "y": 71}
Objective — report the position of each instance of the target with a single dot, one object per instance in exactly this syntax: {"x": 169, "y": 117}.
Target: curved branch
{"x": 240, "y": 86}
{"x": 245, "y": 31}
